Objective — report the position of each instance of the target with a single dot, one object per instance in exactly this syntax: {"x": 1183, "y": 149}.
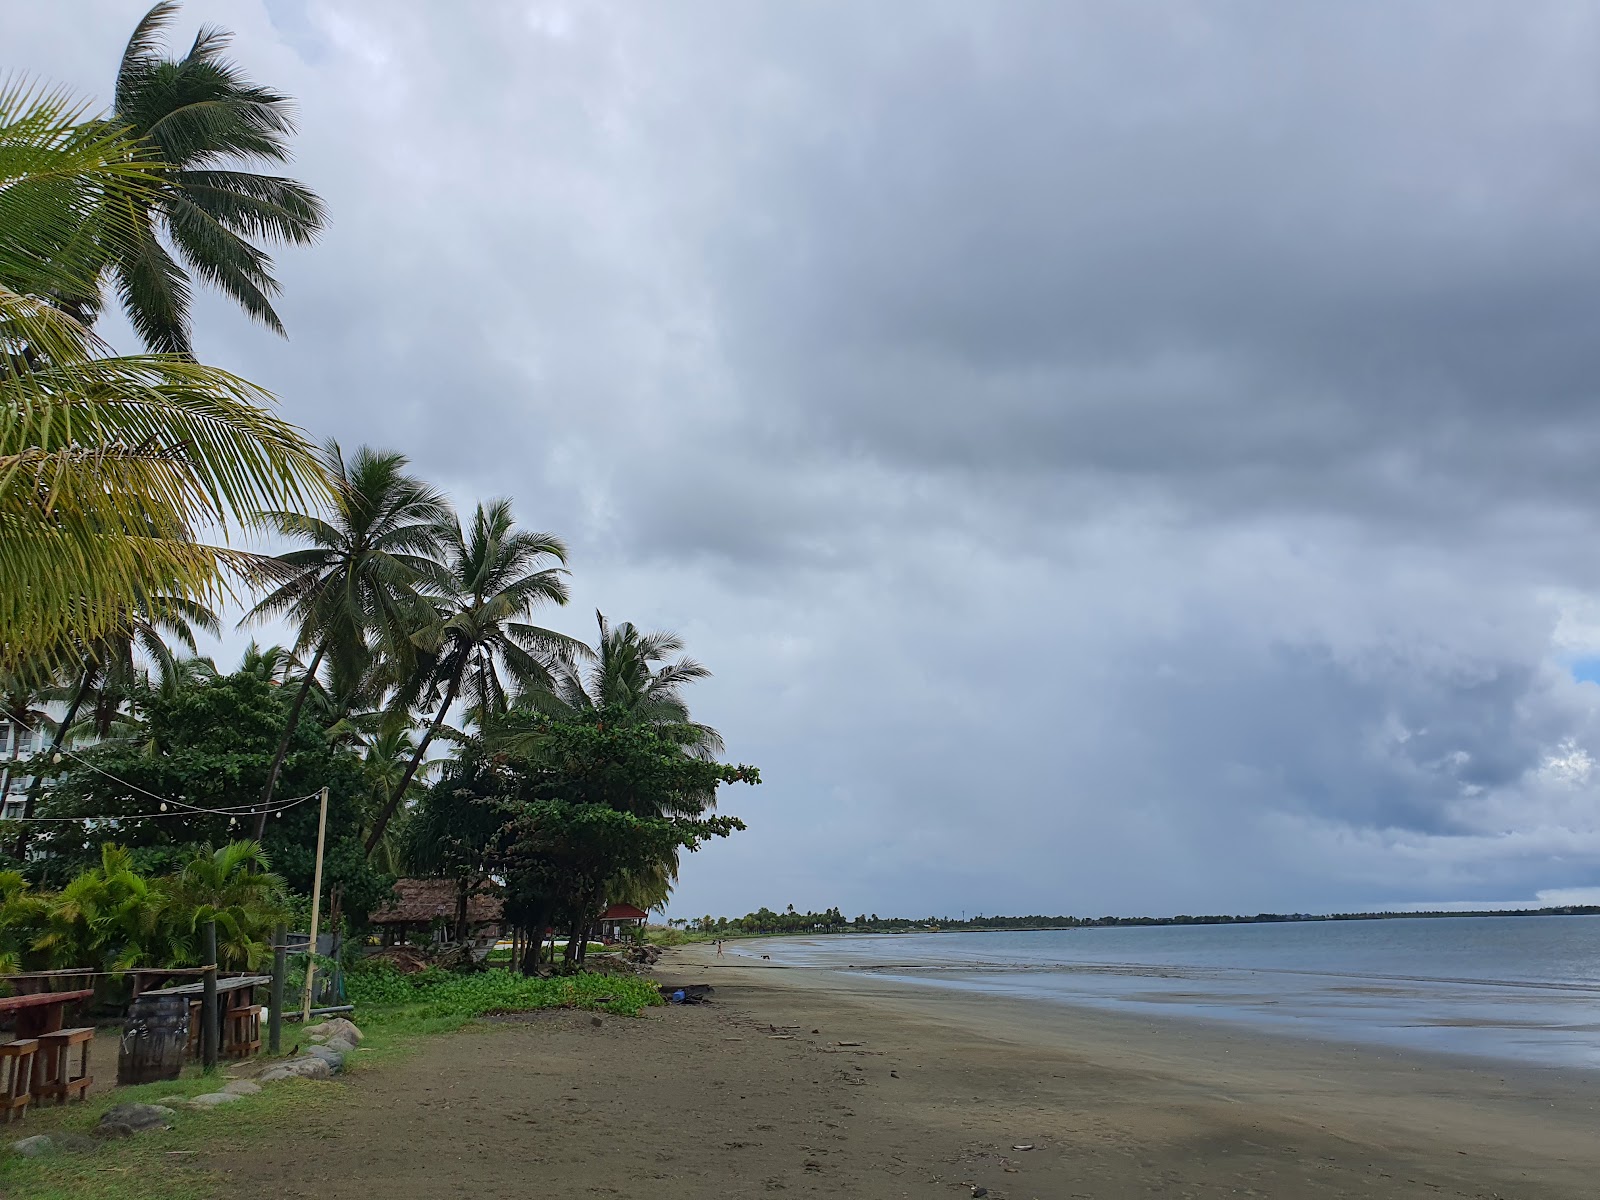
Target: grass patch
{"x": 164, "y": 1166}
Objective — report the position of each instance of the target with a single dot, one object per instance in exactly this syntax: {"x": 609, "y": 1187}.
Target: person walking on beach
{"x": 719, "y": 947}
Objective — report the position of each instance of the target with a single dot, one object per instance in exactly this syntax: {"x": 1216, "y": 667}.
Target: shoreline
{"x": 1469, "y": 1126}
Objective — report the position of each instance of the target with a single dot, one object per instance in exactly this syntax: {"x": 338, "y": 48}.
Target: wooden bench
{"x": 16, "y": 1078}
{"x": 244, "y": 1032}
{"x": 55, "y": 1076}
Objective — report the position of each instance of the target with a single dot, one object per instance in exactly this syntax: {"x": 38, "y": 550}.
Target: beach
{"x": 817, "y": 1082}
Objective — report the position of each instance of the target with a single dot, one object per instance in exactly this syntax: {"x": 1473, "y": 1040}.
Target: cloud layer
{"x": 1114, "y": 459}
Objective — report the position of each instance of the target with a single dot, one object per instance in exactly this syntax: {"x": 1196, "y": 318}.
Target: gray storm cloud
{"x": 1118, "y": 459}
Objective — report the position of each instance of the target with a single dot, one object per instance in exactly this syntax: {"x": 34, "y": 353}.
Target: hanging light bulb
{"x": 163, "y": 806}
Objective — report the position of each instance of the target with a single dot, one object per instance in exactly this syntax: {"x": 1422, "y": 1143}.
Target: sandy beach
{"x": 817, "y": 1083}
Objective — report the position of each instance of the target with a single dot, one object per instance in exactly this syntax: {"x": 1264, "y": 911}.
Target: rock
{"x": 112, "y": 1129}
{"x": 32, "y": 1147}
{"x": 215, "y": 1099}
{"x": 137, "y": 1117}
{"x": 242, "y": 1087}
{"x": 596, "y": 1022}
{"x": 335, "y": 1027}
{"x": 340, "y": 1044}
{"x": 333, "y": 1058}
{"x": 296, "y": 1068}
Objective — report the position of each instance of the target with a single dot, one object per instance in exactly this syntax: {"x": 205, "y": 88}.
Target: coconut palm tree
{"x": 631, "y": 672}
{"x": 355, "y": 581}
{"x": 109, "y": 466}
{"x": 202, "y": 121}
{"x": 492, "y": 577}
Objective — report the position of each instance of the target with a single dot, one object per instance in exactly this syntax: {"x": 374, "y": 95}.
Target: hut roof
{"x": 623, "y": 912}
{"x": 423, "y": 901}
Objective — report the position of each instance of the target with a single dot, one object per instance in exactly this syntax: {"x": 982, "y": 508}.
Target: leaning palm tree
{"x": 110, "y": 467}
{"x": 355, "y": 581}
{"x": 202, "y": 120}
{"x": 492, "y": 578}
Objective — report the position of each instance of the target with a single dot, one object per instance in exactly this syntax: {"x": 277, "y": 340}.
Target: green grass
{"x": 161, "y": 1166}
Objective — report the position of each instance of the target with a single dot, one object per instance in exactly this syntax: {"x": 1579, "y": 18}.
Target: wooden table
{"x": 41, "y": 1012}
{"x": 237, "y": 992}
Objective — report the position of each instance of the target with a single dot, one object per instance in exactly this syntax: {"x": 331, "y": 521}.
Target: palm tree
{"x": 234, "y": 887}
{"x": 493, "y": 575}
{"x": 357, "y": 577}
{"x": 201, "y": 119}
{"x": 629, "y": 672}
{"x": 108, "y": 465}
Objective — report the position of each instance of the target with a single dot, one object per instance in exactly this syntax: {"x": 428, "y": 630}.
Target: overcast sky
{"x": 1115, "y": 458}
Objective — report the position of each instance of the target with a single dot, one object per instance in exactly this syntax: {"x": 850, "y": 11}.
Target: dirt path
{"x": 743, "y": 1098}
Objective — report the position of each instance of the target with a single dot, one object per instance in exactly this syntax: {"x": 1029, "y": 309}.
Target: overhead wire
{"x": 188, "y": 810}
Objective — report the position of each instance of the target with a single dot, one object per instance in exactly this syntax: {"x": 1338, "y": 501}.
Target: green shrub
{"x": 437, "y": 993}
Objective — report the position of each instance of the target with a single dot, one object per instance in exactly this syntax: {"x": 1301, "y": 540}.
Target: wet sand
{"x": 763, "y": 1091}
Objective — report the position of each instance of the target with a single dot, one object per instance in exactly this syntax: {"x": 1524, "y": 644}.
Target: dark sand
{"x": 743, "y": 1098}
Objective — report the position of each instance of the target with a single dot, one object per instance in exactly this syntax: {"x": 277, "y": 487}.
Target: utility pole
{"x": 208, "y": 1003}
{"x": 280, "y": 968}
{"x": 316, "y": 908}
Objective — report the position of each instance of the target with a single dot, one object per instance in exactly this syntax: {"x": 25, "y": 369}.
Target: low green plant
{"x": 436, "y": 993}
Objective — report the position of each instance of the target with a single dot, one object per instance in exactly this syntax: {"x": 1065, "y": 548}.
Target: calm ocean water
{"x": 1517, "y": 988}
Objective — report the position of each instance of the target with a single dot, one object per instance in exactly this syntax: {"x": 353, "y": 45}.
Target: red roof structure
{"x": 623, "y": 912}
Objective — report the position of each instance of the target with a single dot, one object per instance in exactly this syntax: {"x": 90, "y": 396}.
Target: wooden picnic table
{"x": 233, "y": 994}
{"x": 41, "y": 1012}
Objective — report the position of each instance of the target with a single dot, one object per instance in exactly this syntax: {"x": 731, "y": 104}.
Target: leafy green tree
{"x": 593, "y": 801}
{"x": 204, "y": 745}
{"x": 492, "y": 577}
{"x": 353, "y": 585}
{"x": 198, "y": 121}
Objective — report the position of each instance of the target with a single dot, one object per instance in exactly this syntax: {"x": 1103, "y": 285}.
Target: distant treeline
{"x": 764, "y": 920}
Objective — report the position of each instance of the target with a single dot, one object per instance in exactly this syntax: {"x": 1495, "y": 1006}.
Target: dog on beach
{"x": 766, "y": 956}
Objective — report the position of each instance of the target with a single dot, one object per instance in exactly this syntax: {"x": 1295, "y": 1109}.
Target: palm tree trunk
{"x": 37, "y": 785}
{"x": 289, "y": 727}
{"x": 388, "y": 812}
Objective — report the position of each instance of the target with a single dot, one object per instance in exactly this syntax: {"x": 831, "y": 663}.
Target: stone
{"x": 137, "y": 1117}
{"x": 340, "y": 1045}
{"x": 333, "y": 1058}
{"x": 214, "y": 1099}
{"x": 335, "y": 1027}
{"x": 242, "y": 1087}
{"x": 296, "y": 1068}
{"x": 32, "y": 1147}
{"x": 112, "y": 1129}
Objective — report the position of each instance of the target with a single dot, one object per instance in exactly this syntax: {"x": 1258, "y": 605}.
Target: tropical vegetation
{"x": 456, "y": 733}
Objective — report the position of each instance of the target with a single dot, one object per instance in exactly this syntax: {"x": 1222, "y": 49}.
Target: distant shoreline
{"x": 1039, "y": 924}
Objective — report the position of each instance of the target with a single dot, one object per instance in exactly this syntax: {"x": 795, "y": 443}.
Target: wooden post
{"x": 280, "y": 967}
{"x": 316, "y": 908}
{"x": 208, "y": 1003}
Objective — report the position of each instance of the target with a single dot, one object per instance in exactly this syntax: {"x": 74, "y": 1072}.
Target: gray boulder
{"x": 340, "y": 1044}
{"x": 334, "y": 1028}
{"x": 135, "y": 1118}
{"x": 333, "y": 1058}
{"x": 296, "y": 1068}
{"x": 242, "y": 1087}
{"x": 214, "y": 1099}
{"x": 32, "y": 1147}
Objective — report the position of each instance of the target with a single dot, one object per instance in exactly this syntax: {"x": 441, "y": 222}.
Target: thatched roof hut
{"x": 418, "y": 903}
